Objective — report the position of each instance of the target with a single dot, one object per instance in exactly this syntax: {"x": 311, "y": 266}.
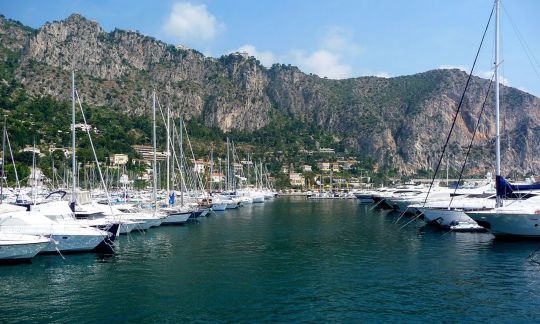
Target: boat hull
{"x": 73, "y": 243}
{"x": 510, "y": 225}
{"x": 232, "y": 205}
{"x": 219, "y": 206}
{"x": 21, "y": 250}
{"x": 128, "y": 227}
{"x": 258, "y": 199}
{"x": 154, "y": 222}
{"x": 365, "y": 199}
{"x": 176, "y": 218}
{"x": 444, "y": 217}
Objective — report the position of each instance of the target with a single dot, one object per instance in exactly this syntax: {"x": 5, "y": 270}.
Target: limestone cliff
{"x": 401, "y": 121}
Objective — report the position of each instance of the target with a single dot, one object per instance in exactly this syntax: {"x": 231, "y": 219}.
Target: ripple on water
{"x": 286, "y": 260}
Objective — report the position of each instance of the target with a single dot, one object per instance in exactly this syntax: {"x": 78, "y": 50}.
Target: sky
{"x": 335, "y": 39}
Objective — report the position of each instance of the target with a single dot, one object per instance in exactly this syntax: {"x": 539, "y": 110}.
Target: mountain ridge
{"x": 399, "y": 122}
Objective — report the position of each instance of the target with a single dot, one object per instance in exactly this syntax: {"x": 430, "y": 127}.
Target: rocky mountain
{"x": 400, "y": 122}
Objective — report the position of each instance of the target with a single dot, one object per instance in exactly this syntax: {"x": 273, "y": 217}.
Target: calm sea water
{"x": 286, "y": 260}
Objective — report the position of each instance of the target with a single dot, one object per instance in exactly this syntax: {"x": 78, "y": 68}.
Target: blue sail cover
{"x": 506, "y": 189}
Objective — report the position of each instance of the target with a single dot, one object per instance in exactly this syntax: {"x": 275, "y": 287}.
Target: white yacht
{"x": 409, "y": 201}
{"x": 519, "y": 213}
{"x": 219, "y": 205}
{"x": 138, "y": 214}
{"x": 257, "y": 198}
{"x": 84, "y": 215}
{"x": 129, "y": 217}
{"x": 16, "y": 248}
{"x": 517, "y": 220}
{"x": 450, "y": 211}
{"x": 365, "y": 196}
{"x": 66, "y": 236}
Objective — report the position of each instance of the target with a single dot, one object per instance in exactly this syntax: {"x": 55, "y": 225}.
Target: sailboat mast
{"x": 182, "y": 180}
{"x": 154, "y": 171}
{"x": 34, "y": 179}
{"x": 168, "y": 151}
{"x": 247, "y": 172}
{"x": 211, "y": 168}
{"x": 220, "y": 173}
{"x": 3, "y": 163}
{"x": 497, "y": 115}
{"x": 173, "y": 156}
{"x": 228, "y": 168}
{"x": 73, "y": 159}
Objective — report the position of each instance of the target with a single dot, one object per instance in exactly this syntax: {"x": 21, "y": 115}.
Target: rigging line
{"x": 472, "y": 139}
{"x": 13, "y": 161}
{"x": 170, "y": 140}
{"x": 459, "y": 106}
{"x": 192, "y": 153}
{"x": 532, "y": 255}
{"x": 94, "y": 151}
{"x": 524, "y": 45}
{"x": 182, "y": 181}
{"x": 175, "y": 159}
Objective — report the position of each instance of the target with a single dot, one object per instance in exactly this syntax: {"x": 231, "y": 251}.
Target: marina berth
{"x": 270, "y": 161}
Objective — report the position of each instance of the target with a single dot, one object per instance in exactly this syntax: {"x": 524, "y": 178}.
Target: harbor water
{"x": 290, "y": 259}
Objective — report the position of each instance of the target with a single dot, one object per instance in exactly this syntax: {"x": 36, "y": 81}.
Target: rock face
{"x": 402, "y": 122}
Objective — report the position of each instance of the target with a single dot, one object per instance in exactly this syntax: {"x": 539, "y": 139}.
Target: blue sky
{"x": 337, "y": 39}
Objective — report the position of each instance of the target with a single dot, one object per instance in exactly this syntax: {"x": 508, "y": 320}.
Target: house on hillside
{"x": 297, "y": 179}
{"x": 324, "y": 166}
{"x": 118, "y": 159}
{"x": 218, "y": 177}
{"x": 199, "y": 166}
{"x": 327, "y": 150}
{"x": 31, "y": 149}
{"x": 147, "y": 153}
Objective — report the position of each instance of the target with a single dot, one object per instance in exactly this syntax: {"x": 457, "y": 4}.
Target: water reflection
{"x": 286, "y": 260}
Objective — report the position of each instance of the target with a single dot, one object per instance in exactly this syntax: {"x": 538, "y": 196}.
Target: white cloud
{"x": 336, "y": 47}
{"x": 188, "y": 21}
{"x": 340, "y": 40}
{"x": 483, "y": 74}
{"x": 323, "y": 63}
{"x": 267, "y": 58}
{"x": 489, "y": 74}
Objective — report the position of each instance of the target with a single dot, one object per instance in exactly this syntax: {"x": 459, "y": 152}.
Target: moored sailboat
{"x": 512, "y": 217}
